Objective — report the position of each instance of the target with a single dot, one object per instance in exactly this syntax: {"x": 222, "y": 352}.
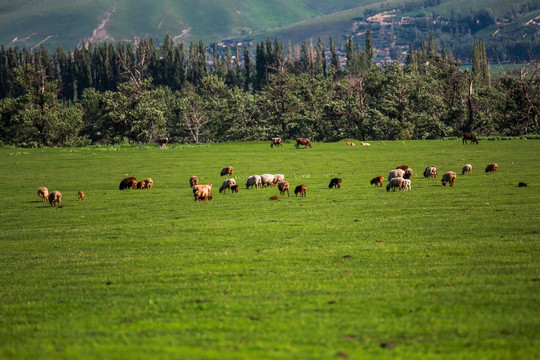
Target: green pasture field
{"x": 357, "y": 272}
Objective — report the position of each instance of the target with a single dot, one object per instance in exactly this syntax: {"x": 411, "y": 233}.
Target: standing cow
{"x": 302, "y": 141}
{"x": 276, "y": 141}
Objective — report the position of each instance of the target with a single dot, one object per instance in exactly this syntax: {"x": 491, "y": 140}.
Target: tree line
{"x": 137, "y": 92}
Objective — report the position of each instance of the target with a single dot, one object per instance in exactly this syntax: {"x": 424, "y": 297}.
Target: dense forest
{"x": 137, "y": 92}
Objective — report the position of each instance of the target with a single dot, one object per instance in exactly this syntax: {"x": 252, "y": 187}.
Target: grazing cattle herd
{"x": 398, "y": 179}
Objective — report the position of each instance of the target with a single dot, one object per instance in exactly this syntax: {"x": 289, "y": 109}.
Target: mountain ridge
{"x": 455, "y": 23}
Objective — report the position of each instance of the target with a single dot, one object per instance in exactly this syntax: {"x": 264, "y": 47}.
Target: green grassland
{"x": 358, "y": 272}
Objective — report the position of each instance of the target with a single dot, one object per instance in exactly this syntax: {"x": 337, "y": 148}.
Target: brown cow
{"x": 234, "y": 189}
{"x": 276, "y": 141}
{"x": 129, "y": 182}
{"x": 449, "y": 177}
{"x": 81, "y": 195}
{"x": 274, "y": 197}
{"x": 300, "y": 189}
{"x": 227, "y": 170}
{"x": 43, "y": 193}
{"x": 283, "y": 186}
{"x": 302, "y": 141}
{"x": 350, "y": 143}
{"x": 141, "y": 185}
{"x": 492, "y": 167}
{"x": 201, "y": 192}
{"x": 335, "y": 183}
{"x": 377, "y": 181}
{"x": 471, "y": 137}
{"x": 55, "y": 198}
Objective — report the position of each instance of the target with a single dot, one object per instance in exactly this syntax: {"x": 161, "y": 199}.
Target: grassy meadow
{"x": 357, "y": 272}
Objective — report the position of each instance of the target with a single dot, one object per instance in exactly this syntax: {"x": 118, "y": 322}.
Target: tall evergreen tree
{"x": 480, "y": 67}
{"x": 334, "y": 58}
{"x": 370, "y": 55}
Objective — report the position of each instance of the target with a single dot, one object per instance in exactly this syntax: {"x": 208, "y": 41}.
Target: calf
{"x": 141, "y": 185}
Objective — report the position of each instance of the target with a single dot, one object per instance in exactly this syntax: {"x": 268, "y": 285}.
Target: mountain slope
{"x": 510, "y": 28}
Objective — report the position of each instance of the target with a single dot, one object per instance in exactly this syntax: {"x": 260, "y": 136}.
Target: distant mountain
{"x": 511, "y": 29}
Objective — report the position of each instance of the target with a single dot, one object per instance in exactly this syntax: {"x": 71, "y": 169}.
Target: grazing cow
{"x": 149, "y": 183}
{"x": 492, "y": 167}
{"x": 227, "y": 170}
{"x": 278, "y": 178}
{"x": 396, "y": 173}
{"x": 201, "y": 192}
{"x": 335, "y": 183}
{"x": 302, "y": 141}
{"x": 163, "y": 142}
{"x": 469, "y": 137}
{"x": 55, "y": 198}
{"x": 283, "y": 186}
{"x": 276, "y": 141}
{"x": 141, "y": 185}
{"x": 408, "y": 173}
{"x": 193, "y": 181}
{"x": 253, "y": 180}
{"x": 268, "y": 180}
{"x": 522, "y": 184}
{"x": 234, "y": 189}
{"x": 449, "y": 177}
{"x": 300, "y": 189}
{"x": 127, "y": 183}
{"x": 81, "y": 195}
{"x": 395, "y": 183}
{"x": 43, "y": 193}
{"x": 227, "y": 184}
{"x": 350, "y": 143}
{"x": 431, "y": 172}
{"x": 377, "y": 181}
{"x": 466, "y": 169}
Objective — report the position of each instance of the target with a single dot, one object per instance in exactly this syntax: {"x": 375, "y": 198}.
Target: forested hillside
{"x": 510, "y": 29}
{"x": 135, "y": 93}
